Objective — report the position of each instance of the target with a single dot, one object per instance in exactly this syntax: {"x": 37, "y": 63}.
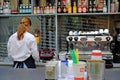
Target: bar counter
{"x": 8, "y": 73}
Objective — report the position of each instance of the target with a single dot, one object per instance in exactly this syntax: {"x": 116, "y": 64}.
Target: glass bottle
{"x": 104, "y": 7}
{"x": 64, "y": 9}
{"x": 74, "y": 7}
{"x": 69, "y": 8}
{"x": 79, "y": 8}
{"x": 94, "y": 7}
{"x": 53, "y": 9}
{"x": 6, "y": 8}
{"x": 90, "y": 7}
{"x": 59, "y": 10}
{"x": 84, "y": 8}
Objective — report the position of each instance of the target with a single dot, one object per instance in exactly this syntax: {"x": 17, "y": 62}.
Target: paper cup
{"x": 78, "y": 70}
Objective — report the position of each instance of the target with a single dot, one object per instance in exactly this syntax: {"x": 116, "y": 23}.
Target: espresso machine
{"x": 86, "y": 41}
{"x": 115, "y": 46}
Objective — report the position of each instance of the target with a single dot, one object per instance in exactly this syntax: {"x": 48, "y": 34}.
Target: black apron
{"x": 29, "y": 62}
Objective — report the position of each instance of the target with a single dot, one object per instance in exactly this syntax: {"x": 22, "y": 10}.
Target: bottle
{"x": 35, "y": 10}
{"x": 64, "y": 9}
{"x": 41, "y": 10}
{"x": 6, "y": 8}
{"x": 53, "y": 9}
{"x": 94, "y": 7}
{"x": 59, "y": 10}
{"x": 84, "y": 8}
{"x": 79, "y": 8}
{"x": 30, "y": 8}
{"x": 1, "y": 9}
{"x": 116, "y": 5}
{"x": 69, "y": 8}
{"x": 74, "y": 7}
{"x": 90, "y": 7}
{"x": 27, "y": 8}
{"x": 47, "y": 9}
{"x": 112, "y": 7}
{"x": 104, "y": 7}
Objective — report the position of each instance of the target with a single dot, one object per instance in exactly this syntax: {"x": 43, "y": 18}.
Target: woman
{"x": 22, "y": 48}
{"x": 27, "y": 22}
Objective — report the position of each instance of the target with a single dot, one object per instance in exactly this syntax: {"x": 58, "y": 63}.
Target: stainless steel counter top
{"x": 22, "y": 74}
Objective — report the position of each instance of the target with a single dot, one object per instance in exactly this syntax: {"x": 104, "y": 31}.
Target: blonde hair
{"x": 26, "y": 18}
{"x": 20, "y": 31}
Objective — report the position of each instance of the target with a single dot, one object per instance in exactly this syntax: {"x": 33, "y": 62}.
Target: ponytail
{"x": 20, "y": 31}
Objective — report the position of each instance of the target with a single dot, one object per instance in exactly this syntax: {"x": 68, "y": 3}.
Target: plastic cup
{"x": 96, "y": 55}
{"x": 95, "y": 69}
{"x": 78, "y": 70}
{"x": 64, "y": 68}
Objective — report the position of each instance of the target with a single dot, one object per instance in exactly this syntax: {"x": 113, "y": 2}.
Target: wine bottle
{"x": 59, "y": 10}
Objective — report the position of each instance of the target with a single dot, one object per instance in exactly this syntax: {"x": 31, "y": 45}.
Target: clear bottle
{"x": 94, "y": 7}
{"x": 104, "y": 7}
{"x": 90, "y": 7}
{"x": 6, "y": 8}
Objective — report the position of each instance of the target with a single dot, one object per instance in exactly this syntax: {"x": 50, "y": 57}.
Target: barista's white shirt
{"x": 20, "y": 50}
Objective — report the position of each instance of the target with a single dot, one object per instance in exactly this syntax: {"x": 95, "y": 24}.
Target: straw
{"x": 73, "y": 56}
{"x": 77, "y": 55}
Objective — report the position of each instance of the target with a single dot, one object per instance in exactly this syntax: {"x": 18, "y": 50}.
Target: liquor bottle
{"x": 69, "y": 8}
{"x": 64, "y": 9}
{"x": 47, "y": 9}
{"x": 90, "y": 7}
{"x": 100, "y": 6}
{"x": 74, "y": 7}
{"x": 53, "y": 9}
{"x": 59, "y": 9}
{"x": 117, "y": 6}
{"x": 84, "y": 8}
{"x": 37, "y": 10}
{"x": 34, "y": 12}
{"x": 104, "y": 7}
{"x": 42, "y": 9}
{"x": 94, "y": 7}
{"x": 79, "y": 8}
